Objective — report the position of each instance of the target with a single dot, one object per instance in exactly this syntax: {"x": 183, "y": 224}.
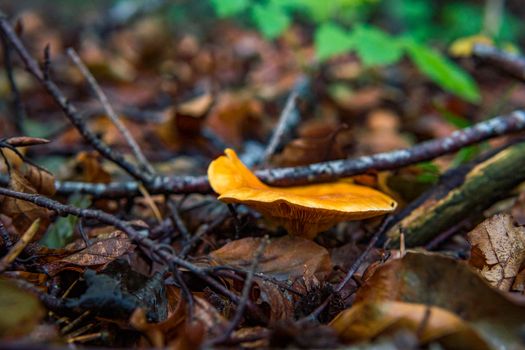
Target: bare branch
{"x": 110, "y": 111}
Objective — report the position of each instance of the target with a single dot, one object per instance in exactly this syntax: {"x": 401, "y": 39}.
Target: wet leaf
{"x": 20, "y": 311}
{"x": 365, "y": 321}
{"x": 436, "y": 280}
{"x": 298, "y": 262}
{"x": 89, "y": 166}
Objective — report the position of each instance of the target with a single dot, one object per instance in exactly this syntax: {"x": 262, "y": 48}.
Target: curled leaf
{"x": 366, "y": 321}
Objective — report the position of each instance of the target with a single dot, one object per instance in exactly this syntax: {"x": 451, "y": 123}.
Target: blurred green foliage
{"x": 340, "y": 26}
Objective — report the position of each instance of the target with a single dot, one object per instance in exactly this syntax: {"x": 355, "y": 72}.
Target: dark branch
{"x": 139, "y": 237}
{"x": 512, "y": 64}
{"x": 319, "y": 172}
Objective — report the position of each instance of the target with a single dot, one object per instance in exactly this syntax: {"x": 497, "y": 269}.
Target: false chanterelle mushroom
{"x": 302, "y": 210}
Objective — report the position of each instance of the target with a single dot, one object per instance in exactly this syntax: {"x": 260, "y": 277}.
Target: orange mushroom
{"x": 302, "y": 210}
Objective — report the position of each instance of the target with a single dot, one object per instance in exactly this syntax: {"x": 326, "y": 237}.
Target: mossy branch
{"x": 475, "y": 190}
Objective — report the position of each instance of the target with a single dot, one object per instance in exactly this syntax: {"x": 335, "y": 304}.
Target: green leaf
{"x": 226, "y": 8}
{"x": 429, "y": 172}
{"x": 375, "y": 47}
{"x": 443, "y": 71}
{"x": 270, "y": 19}
{"x": 61, "y": 232}
{"x": 331, "y": 40}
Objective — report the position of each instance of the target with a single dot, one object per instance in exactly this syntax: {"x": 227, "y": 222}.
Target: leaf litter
{"x": 185, "y": 98}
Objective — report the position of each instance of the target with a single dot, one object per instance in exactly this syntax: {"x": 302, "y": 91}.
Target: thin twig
{"x": 137, "y": 236}
{"x": 6, "y": 239}
{"x": 20, "y": 245}
{"x": 318, "y": 172}
{"x": 135, "y": 148}
{"x": 177, "y": 221}
{"x": 361, "y": 258}
{"x": 510, "y": 63}
{"x": 329, "y": 171}
{"x": 245, "y": 295}
{"x": 352, "y": 270}
{"x": 19, "y": 109}
{"x": 288, "y": 120}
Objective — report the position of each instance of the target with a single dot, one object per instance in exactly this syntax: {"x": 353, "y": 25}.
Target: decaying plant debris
{"x": 181, "y": 191}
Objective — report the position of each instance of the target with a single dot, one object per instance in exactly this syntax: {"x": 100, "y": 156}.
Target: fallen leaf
{"x": 101, "y": 252}
{"x": 89, "y": 167}
{"x": 286, "y": 258}
{"x": 437, "y": 280}
{"x": 235, "y": 116}
{"x": 23, "y": 213}
{"x": 498, "y": 250}
{"x": 317, "y": 143}
{"x": 25, "y": 141}
{"x": 381, "y": 133}
{"x": 298, "y": 262}
{"x": 20, "y": 311}
{"x": 365, "y": 321}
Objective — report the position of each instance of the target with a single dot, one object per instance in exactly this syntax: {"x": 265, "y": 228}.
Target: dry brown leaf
{"x": 382, "y": 133}
{"x": 365, "y": 321}
{"x": 99, "y": 253}
{"x": 277, "y": 301}
{"x": 196, "y": 107}
{"x": 42, "y": 181}
{"x": 518, "y": 209}
{"x": 498, "y": 250}
{"x": 286, "y": 258}
{"x": 89, "y": 164}
{"x": 318, "y": 141}
{"x": 235, "y": 116}
{"x": 437, "y": 280}
{"x": 297, "y": 261}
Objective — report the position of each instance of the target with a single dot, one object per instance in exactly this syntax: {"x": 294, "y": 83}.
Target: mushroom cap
{"x": 302, "y": 210}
